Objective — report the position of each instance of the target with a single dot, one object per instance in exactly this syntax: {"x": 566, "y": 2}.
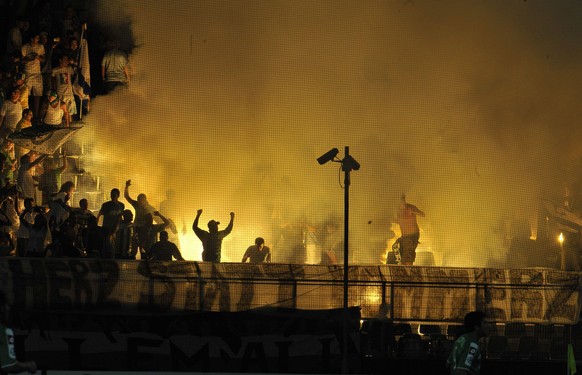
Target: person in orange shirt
{"x": 406, "y": 219}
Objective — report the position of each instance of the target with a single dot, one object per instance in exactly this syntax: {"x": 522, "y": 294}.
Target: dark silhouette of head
{"x": 68, "y": 187}
{"x": 127, "y": 216}
{"x": 28, "y": 202}
{"x": 142, "y": 199}
{"x": 213, "y": 226}
{"x": 163, "y": 236}
{"x": 115, "y": 193}
{"x": 475, "y": 322}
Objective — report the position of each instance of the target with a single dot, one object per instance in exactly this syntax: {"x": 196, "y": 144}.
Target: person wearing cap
{"x": 56, "y": 111}
{"x": 211, "y": 240}
{"x": 258, "y": 253}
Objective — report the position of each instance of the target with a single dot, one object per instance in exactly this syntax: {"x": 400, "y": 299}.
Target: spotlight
{"x": 350, "y": 164}
{"x": 328, "y": 156}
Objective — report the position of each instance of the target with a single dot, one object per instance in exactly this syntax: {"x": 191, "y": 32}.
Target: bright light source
{"x": 561, "y": 238}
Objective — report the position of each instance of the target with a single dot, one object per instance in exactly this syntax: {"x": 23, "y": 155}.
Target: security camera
{"x": 350, "y": 164}
{"x": 328, "y": 156}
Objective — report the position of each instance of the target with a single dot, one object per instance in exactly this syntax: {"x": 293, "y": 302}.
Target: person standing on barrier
{"x": 8, "y": 362}
{"x": 465, "y": 358}
{"x": 408, "y": 241}
{"x": 211, "y": 240}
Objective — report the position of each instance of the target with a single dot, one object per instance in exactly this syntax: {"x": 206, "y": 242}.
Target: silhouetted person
{"x": 406, "y": 219}
{"x": 25, "y": 179}
{"x": 258, "y": 253}
{"x": 22, "y": 232}
{"x": 59, "y": 205}
{"x": 172, "y": 208}
{"x": 37, "y": 231}
{"x": 50, "y": 178}
{"x": 114, "y": 67}
{"x": 8, "y": 362}
{"x": 98, "y": 244}
{"x": 126, "y": 242}
{"x": 211, "y": 240}
{"x": 150, "y": 231}
{"x": 111, "y": 211}
{"x": 164, "y": 249}
{"x": 465, "y": 358}
{"x": 142, "y": 208}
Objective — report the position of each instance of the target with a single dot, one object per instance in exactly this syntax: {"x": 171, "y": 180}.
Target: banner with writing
{"x": 396, "y": 292}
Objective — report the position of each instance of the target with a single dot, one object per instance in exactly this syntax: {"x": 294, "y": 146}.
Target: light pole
{"x": 348, "y": 164}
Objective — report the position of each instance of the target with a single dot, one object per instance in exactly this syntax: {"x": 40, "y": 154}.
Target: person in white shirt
{"x": 114, "y": 67}
{"x": 10, "y": 113}
{"x": 33, "y": 57}
{"x": 56, "y": 112}
{"x": 62, "y": 83}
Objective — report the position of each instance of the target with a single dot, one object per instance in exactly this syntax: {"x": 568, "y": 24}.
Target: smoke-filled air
{"x": 469, "y": 108}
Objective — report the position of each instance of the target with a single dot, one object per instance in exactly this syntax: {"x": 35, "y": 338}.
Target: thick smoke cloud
{"x": 467, "y": 107}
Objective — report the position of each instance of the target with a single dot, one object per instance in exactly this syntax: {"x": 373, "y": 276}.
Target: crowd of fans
{"x": 45, "y": 78}
{"x": 44, "y": 85}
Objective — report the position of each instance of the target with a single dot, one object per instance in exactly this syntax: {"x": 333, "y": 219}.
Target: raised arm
{"x": 164, "y": 219}
{"x": 228, "y": 229}
{"x": 195, "y": 227}
{"x": 126, "y": 193}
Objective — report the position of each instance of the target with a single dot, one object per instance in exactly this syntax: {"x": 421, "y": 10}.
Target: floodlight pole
{"x": 346, "y": 321}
